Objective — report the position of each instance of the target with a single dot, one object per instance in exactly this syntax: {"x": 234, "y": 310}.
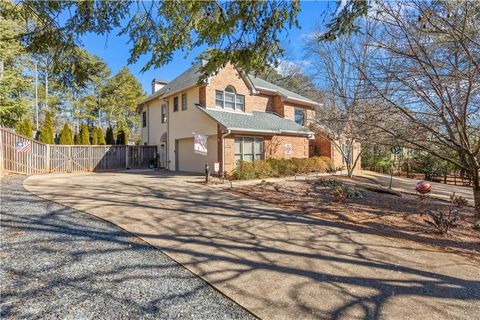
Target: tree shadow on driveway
{"x": 61, "y": 263}
{"x": 276, "y": 263}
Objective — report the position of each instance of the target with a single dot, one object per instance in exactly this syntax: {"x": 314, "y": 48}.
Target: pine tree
{"x": 101, "y": 137}
{"x": 84, "y": 136}
{"x": 121, "y": 137}
{"x": 109, "y": 139}
{"x": 46, "y": 134}
{"x": 95, "y": 136}
{"x": 66, "y": 135}
{"x": 25, "y": 128}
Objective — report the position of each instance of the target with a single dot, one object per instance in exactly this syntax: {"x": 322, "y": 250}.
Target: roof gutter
{"x": 303, "y": 133}
{"x": 165, "y": 94}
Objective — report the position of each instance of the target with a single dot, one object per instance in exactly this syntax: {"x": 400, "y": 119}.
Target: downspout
{"x": 223, "y": 152}
{"x": 168, "y": 134}
{"x": 148, "y": 126}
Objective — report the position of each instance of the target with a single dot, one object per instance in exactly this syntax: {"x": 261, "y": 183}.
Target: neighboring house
{"x": 244, "y": 118}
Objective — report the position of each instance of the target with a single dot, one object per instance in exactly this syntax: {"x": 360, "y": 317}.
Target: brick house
{"x": 242, "y": 116}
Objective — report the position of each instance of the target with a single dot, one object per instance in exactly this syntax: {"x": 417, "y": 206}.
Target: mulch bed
{"x": 383, "y": 214}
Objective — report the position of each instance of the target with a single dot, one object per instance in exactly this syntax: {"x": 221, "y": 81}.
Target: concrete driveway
{"x": 277, "y": 264}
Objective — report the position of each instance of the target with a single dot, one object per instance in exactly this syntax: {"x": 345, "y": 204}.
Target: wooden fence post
{"x": 1, "y": 153}
{"x": 126, "y": 157}
{"x": 90, "y": 158}
{"x": 47, "y": 159}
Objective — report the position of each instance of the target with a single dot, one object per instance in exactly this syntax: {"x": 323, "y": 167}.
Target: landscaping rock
{"x": 59, "y": 263}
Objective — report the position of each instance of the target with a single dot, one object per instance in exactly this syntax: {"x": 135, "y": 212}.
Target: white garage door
{"x": 189, "y": 161}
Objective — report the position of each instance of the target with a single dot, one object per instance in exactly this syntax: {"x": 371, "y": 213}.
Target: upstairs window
{"x": 144, "y": 119}
{"x": 164, "y": 113}
{"x": 184, "y": 101}
{"x": 229, "y": 99}
{"x": 175, "y": 104}
{"x": 299, "y": 116}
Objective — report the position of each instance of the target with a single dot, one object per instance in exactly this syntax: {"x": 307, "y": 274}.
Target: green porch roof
{"x": 258, "y": 122}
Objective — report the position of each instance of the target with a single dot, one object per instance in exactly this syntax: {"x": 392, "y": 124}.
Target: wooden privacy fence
{"x": 20, "y": 154}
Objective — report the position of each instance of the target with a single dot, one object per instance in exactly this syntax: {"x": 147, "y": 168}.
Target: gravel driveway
{"x": 60, "y": 263}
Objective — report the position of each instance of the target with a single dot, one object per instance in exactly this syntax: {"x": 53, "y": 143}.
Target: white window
{"x": 175, "y": 104}
{"x": 239, "y": 103}
{"x": 219, "y": 99}
{"x": 299, "y": 116}
{"x": 248, "y": 148}
{"x": 229, "y": 99}
{"x": 164, "y": 113}
{"x": 229, "y": 102}
{"x": 184, "y": 101}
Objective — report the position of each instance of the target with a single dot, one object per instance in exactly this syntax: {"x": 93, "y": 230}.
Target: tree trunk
{"x": 350, "y": 171}
{"x": 476, "y": 196}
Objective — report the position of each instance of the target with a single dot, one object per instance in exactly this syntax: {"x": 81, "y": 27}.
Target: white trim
{"x": 230, "y": 111}
{"x": 248, "y": 81}
{"x": 255, "y": 138}
{"x": 306, "y": 133}
{"x": 166, "y": 94}
{"x": 289, "y": 98}
{"x": 235, "y": 95}
{"x": 253, "y": 130}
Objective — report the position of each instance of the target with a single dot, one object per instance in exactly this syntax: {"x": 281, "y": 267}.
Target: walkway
{"x": 439, "y": 190}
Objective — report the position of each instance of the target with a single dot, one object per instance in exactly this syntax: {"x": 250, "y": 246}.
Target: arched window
{"x": 230, "y": 89}
{"x": 229, "y": 99}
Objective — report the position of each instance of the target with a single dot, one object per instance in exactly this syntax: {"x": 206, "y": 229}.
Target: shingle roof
{"x": 262, "y": 84}
{"x": 185, "y": 80}
{"x": 190, "y": 78}
{"x": 255, "y": 122}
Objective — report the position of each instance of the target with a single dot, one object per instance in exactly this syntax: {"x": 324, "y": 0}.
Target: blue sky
{"x": 114, "y": 50}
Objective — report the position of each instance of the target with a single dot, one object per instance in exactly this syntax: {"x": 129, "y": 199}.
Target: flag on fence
{"x": 22, "y": 147}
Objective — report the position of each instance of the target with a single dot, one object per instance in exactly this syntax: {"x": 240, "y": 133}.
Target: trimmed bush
{"x": 66, "y": 135}
{"x": 95, "y": 136}
{"x": 109, "y": 139}
{"x": 122, "y": 137}
{"x": 253, "y": 170}
{"x": 46, "y": 134}
{"x": 84, "y": 135}
{"x": 101, "y": 136}
{"x": 259, "y": 169}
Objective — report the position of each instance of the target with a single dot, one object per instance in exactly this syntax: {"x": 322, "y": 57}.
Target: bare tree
{"x": 426, "y": 70}
{"x": 342, "y": 119}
